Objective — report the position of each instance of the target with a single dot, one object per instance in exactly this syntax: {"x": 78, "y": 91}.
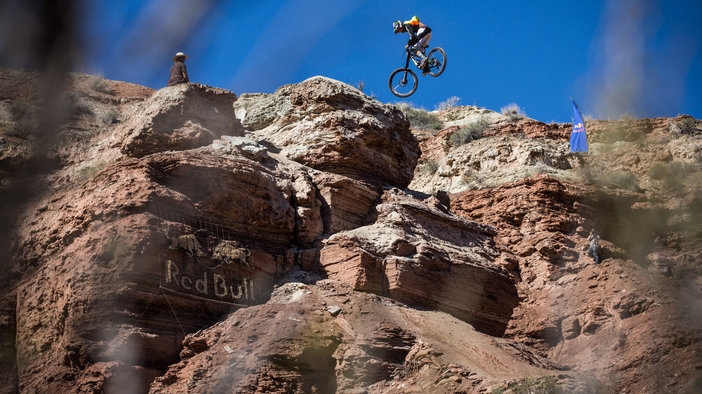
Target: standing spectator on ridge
{"x": 419, "y": 33}
{"x": 179, "y": 73}
{"x": 594, "y": 249}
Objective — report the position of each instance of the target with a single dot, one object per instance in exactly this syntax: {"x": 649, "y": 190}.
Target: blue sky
{"x": 640, "y": 58}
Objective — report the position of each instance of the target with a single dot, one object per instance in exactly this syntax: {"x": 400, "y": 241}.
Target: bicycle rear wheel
{"x": 437, "y": 61}
{"x": 403, "y": 82}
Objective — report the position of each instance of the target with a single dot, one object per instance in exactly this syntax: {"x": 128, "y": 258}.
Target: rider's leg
{"x": 422, "y": 44}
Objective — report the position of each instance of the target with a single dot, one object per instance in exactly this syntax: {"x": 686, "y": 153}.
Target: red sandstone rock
{"x": 180, "y": 117}
{"x": 172, "y": 249}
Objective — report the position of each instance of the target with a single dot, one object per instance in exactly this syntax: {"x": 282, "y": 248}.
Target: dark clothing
{"x": 419, "y": 36}
{"x": 412, "y": 31}
{"x": 179, "y": 74}
{"x": 594, "y": 249}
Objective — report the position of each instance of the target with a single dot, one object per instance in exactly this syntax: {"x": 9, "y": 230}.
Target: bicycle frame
{"x": 411, "y": 55}
{"x": 403, "y": 81}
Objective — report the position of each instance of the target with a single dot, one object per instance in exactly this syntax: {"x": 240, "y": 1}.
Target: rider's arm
{"x": 412, "y": 32}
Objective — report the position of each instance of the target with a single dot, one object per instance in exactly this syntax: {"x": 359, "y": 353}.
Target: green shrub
{"x": 472, "y": 178}
{"x": 89, "y": 171}
{"x": 421, "y": 119}
{"x": 430, "y": 167}
{"x": 545, "y": 385}
{"x": 99, "y": 84}
{"x": 467, "y": 134}
{"x": 20, "y": 110}
{"x": 74, "y": 107}
{"x": 687, "y": 125}
{"x": 526, "y": 386}
{"x": 550, "y": 385}
{"x": 110, "y": 117}
{"x": 424, "y": 120}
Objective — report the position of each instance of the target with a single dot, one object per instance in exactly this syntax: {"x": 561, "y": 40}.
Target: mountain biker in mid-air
{"x": 403, "y": 81}
{"x": 420, "y": 34}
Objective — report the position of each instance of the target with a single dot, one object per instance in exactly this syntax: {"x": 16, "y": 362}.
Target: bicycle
{"x": 404, "y": 78}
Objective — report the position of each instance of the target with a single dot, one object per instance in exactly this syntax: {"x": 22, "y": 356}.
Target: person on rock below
{"x": 179, "y": 73}
{"x": 594, "y": 249}
{"x": 420, "y": 34}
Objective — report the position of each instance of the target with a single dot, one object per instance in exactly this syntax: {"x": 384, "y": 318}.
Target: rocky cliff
{"x": 315, "y": 240}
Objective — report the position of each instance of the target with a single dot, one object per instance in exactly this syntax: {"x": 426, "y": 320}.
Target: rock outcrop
{"x": 193, "y": 222}
{"x": 323, "y": 338}
{"x": 192, "y": 240}
{"x": 180, "y": 117}
{"x": 335, "y": 128}
{"x": 425, "y": 256}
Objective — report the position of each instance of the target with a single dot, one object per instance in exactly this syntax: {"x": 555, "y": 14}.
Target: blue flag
{"x": 578, "y": 139}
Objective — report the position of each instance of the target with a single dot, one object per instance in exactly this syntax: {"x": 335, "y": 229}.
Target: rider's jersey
{"x": 414, "y": 27}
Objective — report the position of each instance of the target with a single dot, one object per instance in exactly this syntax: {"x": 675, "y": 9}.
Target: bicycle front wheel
{"x": 403, "y": 82}
{"x": 437, "y": 61}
